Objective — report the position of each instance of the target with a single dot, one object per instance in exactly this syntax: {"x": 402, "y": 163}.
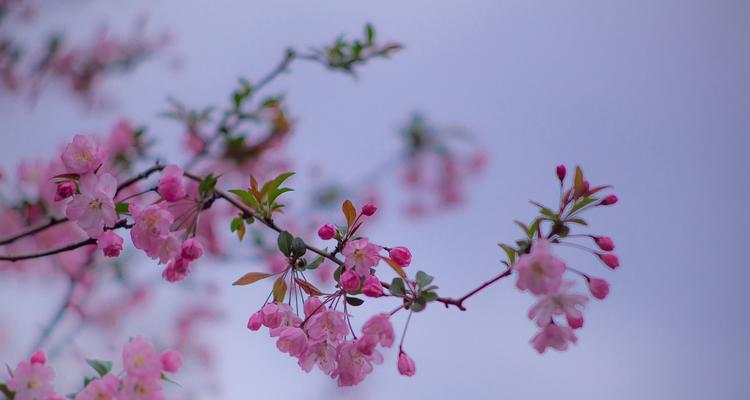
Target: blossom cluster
{"x": 144, "y": 371}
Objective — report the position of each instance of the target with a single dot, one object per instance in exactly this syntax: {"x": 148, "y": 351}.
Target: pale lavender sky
{"x": 651, "y": 96}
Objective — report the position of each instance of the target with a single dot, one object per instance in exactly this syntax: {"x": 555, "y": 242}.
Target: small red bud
{"x": 561, "y": 171}
{"x": 609, "y": 259}
{"x": 609, "y": 200}
{"x": 604, "y": 242}
{"x": 369, "y": 209}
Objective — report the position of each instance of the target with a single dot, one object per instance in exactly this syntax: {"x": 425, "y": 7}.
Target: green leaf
{"x": 278, "y": 192}
{"x": 354, "y": 301}
{"x": 370, "y": 34}
{"x": 208, "y": 184}
{"x": 509, "y": 251}
{"x": 337, "y": 273}
{"x": 246, "y": 197}
{"x": 298, "y": 247}
{"x": 428, "y": 296}
{"x": 397, "y": 287}
{"x": 101, "y": 367}
{"x": 249, "y": 278}
{"x": 418, "y": 305}
{"x": 579, "y": 221}
{"x": 523, "y": 226}
{"x": 7, "y": 392}
{"x": 122, "y": 208}
{"x": 285, "y": 242}
{"x": 315, "y": 263}
{"x": 581, "y": 203}
{"x": 423, "y": 279}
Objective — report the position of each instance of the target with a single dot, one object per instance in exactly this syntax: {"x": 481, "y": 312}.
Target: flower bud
{"x": 604, "y": 242}
{"x": 171, "y": 360}
{"x": 372, "y": 287}
{"x": 609, "y": 200}
{"x": 561, "y": 171}
{"x": 574, "y": 323}
{"x": 609, "y": 259}
{"x": 406, "y": 365}
{"x": 192, "y": 249}
{"x": 349, "y": 281}
{"x": 327, "y": 232}
{"x": 110, "y": 243}
{"x": 599, "y": 288}
{"x": 65, "y": 190}
{"x": 38, "y": 357}
{"x": 255, "y": 321}
{"x": 401, "y": 255}
{"x": 369, "y": 209}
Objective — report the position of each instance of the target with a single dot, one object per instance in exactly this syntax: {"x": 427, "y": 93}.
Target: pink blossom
{"x": 313, "y": 305}
{"x": 177, "y": 270}
{"x": 100, "y": 389}
{"x": 322, "y": 354}
{"x": 349, "y": 281}
{"x": 38, "y": 357}
{"x": 192, "y": 249}
{"x": 598, "y": 287}
{"x": 380, "y": 327}
{"x": 292, "y": 341}
{"x": 328, "y": 325}
{"x": 327, "y": 232}
{"x": 32, "y": 381}
{"x": 271, "y": 315}
{"x": 110, "y": 243}
{"x": 361, "y": 255}
{"x": 255, "y": 321}
{"x": 605, "y": 243}
{"x": 539, "y": 271}
{"x": 369, "y": 209}
{"x": 171, "y": 360}
{"x": 372, "y": 287}
{"x": 609, "y": 259}
{"x": 406, "y": 365}
{"x": 65, "y": 190}
{"x": 165, "y": 249}
{"x": 288, "y": 318}
{"x": 151, "y": 224}
{"x": 354, "y": 365}
{"x": 141, "y": 388}
{"x": 559, "y": 303}
{"x": 171, "y": 185}
{"x": 121, "y": 138}
{"x": 141, "y": 359}
{"x": 401, "y": 255}
{"x": 554, "y": 336}
{"x": 83, "y": 155}
{"x": 94, "y": 208}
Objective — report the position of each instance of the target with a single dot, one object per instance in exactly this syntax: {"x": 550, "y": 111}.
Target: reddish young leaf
{"x": 349, "y": 212}
{"x": 250, "y": 277}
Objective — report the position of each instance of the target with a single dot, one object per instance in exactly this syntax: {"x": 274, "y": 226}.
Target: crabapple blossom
{"x": 255, "y": 321}
{"x": 539, "y": 271}
{"x": 293, "y": 341}
{"x": 328, "y": 325}
{"x": 406, "y": 365}
{"x": 379, "y": 326}
{"x": 141, "y": 388}
{"x": 32, "y": 381}
{"x": 609, "y": 259}
{"x": 104, "y": 388}
{"x": 38, "y": 357}
{"x": 598, "y": 287}
{"x": 177, "y": 270}
{"x": 327, "y": 232}
{"x": 110, "y": 243}
{"x": 559, "y": 303}
{"x": 372, "y": 287}
{"x": 65, "y": 190}
{"x": 94, "y": 209}
{"x": 83, "y": 155}
{"x": 361, "y": 255}
{"x": 171, "y": 360}
{"x": 312, "y": 306}
{"x": 141, "y": 359}
{"x": 401, "y": 255}
{"x": 353, "y": 365}
{"x": 271, "y": 315}
{"x": 605, "y": 243}
{"x": 321, "y": 354}
{"x": 171, "y": 185}
{"x": 350, "y": 281}
{"x": 554, "y": 336}
{"x": 192, "y": 249}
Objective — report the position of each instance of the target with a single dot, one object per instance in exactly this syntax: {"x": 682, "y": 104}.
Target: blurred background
{"x": 650, "y": 96}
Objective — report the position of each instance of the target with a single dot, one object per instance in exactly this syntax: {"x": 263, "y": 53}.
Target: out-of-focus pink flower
{"x": 369, "y": 209}
{"x": 171, "y": 360}
{"x": 94, "y": 208}
{"x": 292, "y": 341}
{"x": 406, "y": 365}
{"x": 104, "y": 388}
{"x": 83, "y": 155}
{"x": 121, "y": 138}
{"x": 328, "y": 325}
{"x": 327, "y": 232}
{"x": 177, "y": 270}
{"x": 380, "y": 327}
{"x": 192, "y": 249}
{"x": 65, "y": 190}
{"x": 372, "y": 287}
{"x": 322, "y": 354}
{"x": 401, "y": 255}
{"x": 32, "y": 381}
{"x": 539, "y": 271}
{"x": 140, "y": 359}
{"x": 151, "y": 232}
{"x": 598, "y": 287}
{"x": 171, "y": 185}
{"x": 559, "y": 303}
{"x": 38, "y": 357}
{"x": 605, "y": 243}
{"x": 110, "y": 243}
{"x": 609, "y": 259}
{"x": 255, "y": 321}
{"x": 349, "y": 281}
{"x": 554, "y": 336}
{"x": 141, "y": 388}
{"x": 361, "y": 255}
